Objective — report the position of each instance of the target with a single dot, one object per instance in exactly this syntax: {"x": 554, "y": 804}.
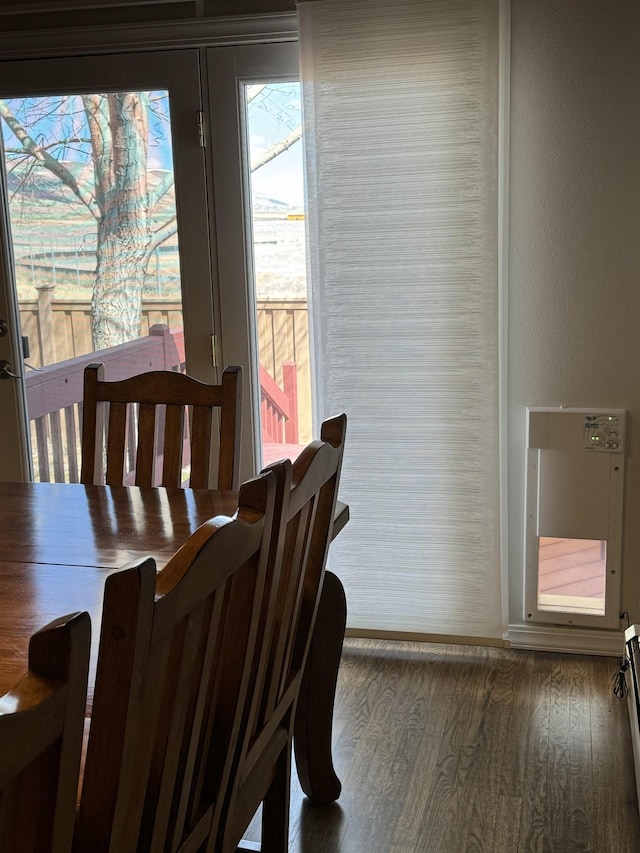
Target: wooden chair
{"x": 174, "y": 665}
{"x": 144, "y": 438}
{"x": 41, "y": 722}
{"x": 307, "y": 492}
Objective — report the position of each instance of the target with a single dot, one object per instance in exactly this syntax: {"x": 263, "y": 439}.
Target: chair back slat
{"x": 41, "y": 725}
{"x": 201, "y": 429}
{"x": 172, "y": 451}
{"x": 174, "y": 665}
{"x": 169, "y": 418}
{"x": 116, "y": 432}
{"x": 172, "y": 747}
{"x": 299, "y": 573}
{"x": 229, "y": 430}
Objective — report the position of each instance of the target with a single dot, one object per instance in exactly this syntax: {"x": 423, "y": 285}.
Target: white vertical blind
{"x": 401, "y": 113}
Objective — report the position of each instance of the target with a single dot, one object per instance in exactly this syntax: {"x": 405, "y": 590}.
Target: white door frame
{"x": 14, "y": 457}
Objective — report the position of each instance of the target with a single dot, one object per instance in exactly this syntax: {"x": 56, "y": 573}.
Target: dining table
{"x": 60, "y": 541}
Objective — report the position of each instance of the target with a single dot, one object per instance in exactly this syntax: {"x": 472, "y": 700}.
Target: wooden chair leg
{"x": 275, "y": 808}
{"x": 314, "y": 716}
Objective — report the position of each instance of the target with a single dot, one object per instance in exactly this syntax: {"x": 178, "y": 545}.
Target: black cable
{"x": 620, "y": 687}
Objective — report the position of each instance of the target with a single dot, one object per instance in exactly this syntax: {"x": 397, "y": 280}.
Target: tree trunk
{"x": 124, "y": 235}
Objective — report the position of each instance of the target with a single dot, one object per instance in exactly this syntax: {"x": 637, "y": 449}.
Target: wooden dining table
{"x": 58, "y": 544}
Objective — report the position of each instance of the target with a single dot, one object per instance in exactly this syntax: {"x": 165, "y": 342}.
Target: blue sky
{"x": 273, "y": 114}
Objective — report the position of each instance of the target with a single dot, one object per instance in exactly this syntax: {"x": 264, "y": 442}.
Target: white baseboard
{"x": 550, "y": 638}
{"x": 420, "y": 637}
{"x": 555, "y": 638}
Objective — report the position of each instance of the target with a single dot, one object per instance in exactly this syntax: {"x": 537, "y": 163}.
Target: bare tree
{"x": 112, "y": 132}
{"x": 120, "y": 200}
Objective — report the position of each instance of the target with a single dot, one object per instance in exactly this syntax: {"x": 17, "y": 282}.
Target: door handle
{"x": 6, "y": 371}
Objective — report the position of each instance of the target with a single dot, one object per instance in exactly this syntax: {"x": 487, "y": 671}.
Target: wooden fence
{"x": 59, "y": 329}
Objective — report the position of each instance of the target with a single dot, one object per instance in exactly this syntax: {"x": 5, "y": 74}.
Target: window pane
{"x": 277, "y": 218}
{"x": 96, "y": 261}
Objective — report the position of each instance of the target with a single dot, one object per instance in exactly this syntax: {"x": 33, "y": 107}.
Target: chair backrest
{"x": 306, "y": 498}
{"x": 41, "y": 724}
{"x": 154, "y": 419}
{"x": 174, "y": 665}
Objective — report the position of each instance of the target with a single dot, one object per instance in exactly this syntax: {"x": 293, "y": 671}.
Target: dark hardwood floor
{"x": 445, "y": 749}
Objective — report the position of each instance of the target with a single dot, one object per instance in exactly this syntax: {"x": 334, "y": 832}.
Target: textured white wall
{"x": 574, "y": 236}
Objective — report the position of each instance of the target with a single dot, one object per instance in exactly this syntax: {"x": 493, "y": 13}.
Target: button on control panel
{"x": 603, "y": 432}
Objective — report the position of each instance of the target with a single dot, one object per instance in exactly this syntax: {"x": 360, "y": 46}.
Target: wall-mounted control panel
{"x": 577, "y": 429}
{"x": 603, "y": 432}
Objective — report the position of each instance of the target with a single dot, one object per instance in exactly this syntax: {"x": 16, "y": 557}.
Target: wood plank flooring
{"x": 445, "y": 749}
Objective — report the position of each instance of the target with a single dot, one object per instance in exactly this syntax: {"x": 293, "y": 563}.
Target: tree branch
{"x": 254, "y": 91}
{"x": 162, "y": 234}
{"x": 96, "y": 111}
{"x": 277, "y": 149}
{"x": 39, "y": 153}
{"x": 163, "y": 186}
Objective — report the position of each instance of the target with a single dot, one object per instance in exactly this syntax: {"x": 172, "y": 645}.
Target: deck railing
{"x": 54, "y": 399}
{"x": 60, "y": 328}
{"x": 279, "y": 407}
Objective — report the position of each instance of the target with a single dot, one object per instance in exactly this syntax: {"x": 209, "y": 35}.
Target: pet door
{"x": 573, "y": 524}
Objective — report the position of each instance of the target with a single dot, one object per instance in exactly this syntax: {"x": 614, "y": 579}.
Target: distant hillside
{"x": 54, "y": 237}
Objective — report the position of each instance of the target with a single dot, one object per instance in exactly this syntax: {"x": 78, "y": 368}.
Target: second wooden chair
{"x": 306, "y": 500}
{"x": 153, "y": 418}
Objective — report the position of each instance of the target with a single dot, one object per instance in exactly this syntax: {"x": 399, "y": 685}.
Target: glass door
{"x": 258, "y": 180}
{"x": 106, "y": 209}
